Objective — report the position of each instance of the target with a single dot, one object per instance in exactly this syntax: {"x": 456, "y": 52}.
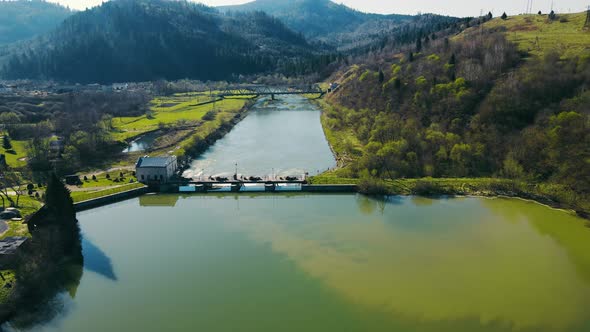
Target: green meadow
{"x": 537, "y": 34}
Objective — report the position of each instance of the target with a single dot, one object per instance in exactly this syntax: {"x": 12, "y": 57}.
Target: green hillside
{"x": 481, "y": 103}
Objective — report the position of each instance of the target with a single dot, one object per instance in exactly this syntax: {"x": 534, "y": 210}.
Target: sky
{"x": 445, "y": 7}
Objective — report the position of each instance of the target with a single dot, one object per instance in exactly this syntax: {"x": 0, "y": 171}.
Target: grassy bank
{"x": 81, "y": 196}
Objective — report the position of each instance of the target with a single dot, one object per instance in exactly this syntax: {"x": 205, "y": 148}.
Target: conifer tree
{"x": 6, "y": 143}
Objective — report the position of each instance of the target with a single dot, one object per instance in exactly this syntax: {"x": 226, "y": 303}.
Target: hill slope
{"x": 135, "y": 40}
{"x": 326, "y": 21}
{"x": 21, "y": 20}
{"x": 473, "y": 105}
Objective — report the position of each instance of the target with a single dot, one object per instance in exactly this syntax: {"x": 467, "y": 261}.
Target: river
{"x": 281, "y": 138}
{"x": 303, "y": 262}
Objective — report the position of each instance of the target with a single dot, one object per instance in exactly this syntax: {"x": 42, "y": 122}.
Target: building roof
{"x": 10, "y": 245}
{"x": 154, "y": 161}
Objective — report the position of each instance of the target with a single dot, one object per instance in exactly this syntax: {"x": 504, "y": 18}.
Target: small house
{"x": 155, "y": 169}
{"x": 120, "y": 86}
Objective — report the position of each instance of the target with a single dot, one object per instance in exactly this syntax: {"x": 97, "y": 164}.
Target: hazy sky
{"x": 448, "y": 7}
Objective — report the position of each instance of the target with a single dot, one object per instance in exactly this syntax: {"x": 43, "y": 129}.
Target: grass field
{"x": 9, "y": 278}
{"x": 536, "y": 34}
{"x": 81, "y": 196}
{"x": 16, "y": 228}
{"x": 17, "y": 152}
{"x": 171, "y": 110}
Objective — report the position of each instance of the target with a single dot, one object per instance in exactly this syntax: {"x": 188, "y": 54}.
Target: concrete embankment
{"x": 329, "y": 188}
{"x": 110, "y": 199}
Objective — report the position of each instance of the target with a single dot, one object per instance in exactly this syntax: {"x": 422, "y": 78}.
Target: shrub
{"x": 210, "y": 116}
{"x": 373, "y": 186}
{"x": 428, "y": 188}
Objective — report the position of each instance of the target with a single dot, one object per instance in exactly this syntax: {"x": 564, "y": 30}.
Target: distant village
{"x": 44, "y": 88}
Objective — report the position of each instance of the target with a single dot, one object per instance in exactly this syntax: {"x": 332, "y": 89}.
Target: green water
{"x": 329, "y": 263}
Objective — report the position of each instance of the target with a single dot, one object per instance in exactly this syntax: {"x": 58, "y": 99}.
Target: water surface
{"x": 143, "y": 143}
{"x": 297, "y": 262}
{"x": 282, "y": 137}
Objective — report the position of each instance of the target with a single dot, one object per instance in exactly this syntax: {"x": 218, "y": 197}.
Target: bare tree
{"x": 10, "y": 186}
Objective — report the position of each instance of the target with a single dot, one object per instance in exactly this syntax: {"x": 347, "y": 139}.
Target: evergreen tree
{"x": 411, "y": 57}
{"x": 490, "y": 16}
{"x": 552, "y": 15}
{"x": 540, "y": 12}
{"x": 504, "y": 16}
{"x": 453, "y": 60}
{"x": 419, "y": 44}
{"x": 6, "y": 143}
{"x": 381, "y": 76}
{"x": 61, "y": 213}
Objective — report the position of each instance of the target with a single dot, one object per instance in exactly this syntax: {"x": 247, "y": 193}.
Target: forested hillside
{"x": 323, "y": 20}
{"x": 140, "y": 40}
{"x": 21, "y": 20}
{"x": 483, "y": 103}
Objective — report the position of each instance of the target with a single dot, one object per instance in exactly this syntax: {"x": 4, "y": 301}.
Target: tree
{"x": 453, "y": 60}
{"x": 10, "y": 186}
{"x": 540, "y": 13}
{"x": 60, "y": 213}
{"x": 419, "y": 44}
{"x": 504, "y": 16}
{"x": 490, "y": 16}
{"x": 552, "y": 15}
{"x": 6, "y": 143}
{"x": 381, "y": 76}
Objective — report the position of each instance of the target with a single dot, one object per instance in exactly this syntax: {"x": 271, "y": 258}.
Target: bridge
{"x": 265, "y": 90}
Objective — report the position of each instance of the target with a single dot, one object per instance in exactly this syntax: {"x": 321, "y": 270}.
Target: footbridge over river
{"x": 266, "y": 90}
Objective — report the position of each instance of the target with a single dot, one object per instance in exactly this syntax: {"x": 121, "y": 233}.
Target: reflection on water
{"x": 96, "y": 260}
{"x": 343, "y": 262}
{"x": 282, "y": 138}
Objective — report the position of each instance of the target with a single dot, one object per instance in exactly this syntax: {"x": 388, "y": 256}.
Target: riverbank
{"x": 550, "y": 195}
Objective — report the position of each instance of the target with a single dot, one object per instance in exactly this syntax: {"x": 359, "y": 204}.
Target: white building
{"x": 155, "y": 169}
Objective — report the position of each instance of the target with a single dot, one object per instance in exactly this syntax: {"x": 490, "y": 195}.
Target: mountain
{"x": 138, "y": 40}
{"x": 506, "y": 98}
{"x": 326, "y": 21}
{"x": 22, "y": 19}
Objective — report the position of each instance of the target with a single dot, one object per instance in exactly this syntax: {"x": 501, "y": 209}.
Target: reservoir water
{"x": 328, "y": 263}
